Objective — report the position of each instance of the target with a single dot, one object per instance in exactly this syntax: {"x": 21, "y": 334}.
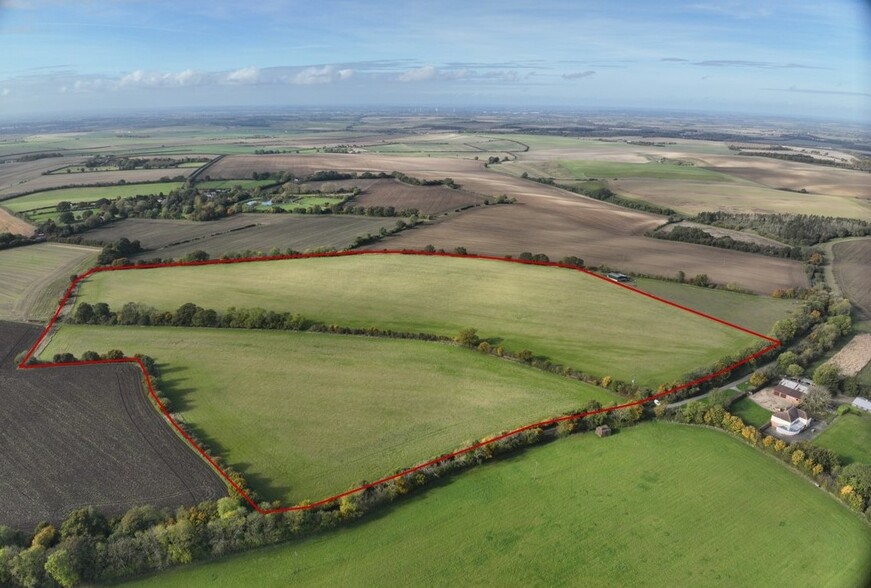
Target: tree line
{"x": 793, "y": 229}
{"x": 701, "y": 237}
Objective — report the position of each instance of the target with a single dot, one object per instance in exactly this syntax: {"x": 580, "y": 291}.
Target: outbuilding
{"x": 603, "y": 430}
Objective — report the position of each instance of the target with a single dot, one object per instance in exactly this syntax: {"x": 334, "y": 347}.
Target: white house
{"x": 790, "y": 421}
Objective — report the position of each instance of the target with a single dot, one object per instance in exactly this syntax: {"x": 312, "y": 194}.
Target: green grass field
{"x": 32, "y": 278}
{"x": 750, "y": 412}
{"x": 623, "y": 511}
{"x": 307, "y": 201}
{"x": 566, "y": 315}
{"x": 309, "y": 415}
{"x": 86, "y": 194}
{"x": 850, "y": 437}
{"x": 758, "y": 313}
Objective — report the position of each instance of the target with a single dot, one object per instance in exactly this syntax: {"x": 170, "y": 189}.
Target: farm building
{"x": 790, "y": 421}
{"x": 792, "y": 390}
{"x": 862, "y": 404}
{"x": 603, "y": 430}
{"x": 618, "y": 277}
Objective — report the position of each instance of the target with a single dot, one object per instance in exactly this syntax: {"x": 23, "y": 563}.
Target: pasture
{"x": 78, "y": 436}
{"x": 86, "y": 194}
{"x": 308, "y": 415}
{"x": 572, "y": 318}
{"x": 850, "y": 437}
{"x": 750, "y": 412}
{"x": 35, "y": 276}
{"x": 623, "y": 511}
{"x": 755, "y": 312}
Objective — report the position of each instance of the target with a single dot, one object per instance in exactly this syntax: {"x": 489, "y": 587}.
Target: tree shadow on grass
{"x": 265, "y": 487}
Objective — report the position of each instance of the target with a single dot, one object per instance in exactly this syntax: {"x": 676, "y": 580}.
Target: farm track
{"x": 86, "y": 435}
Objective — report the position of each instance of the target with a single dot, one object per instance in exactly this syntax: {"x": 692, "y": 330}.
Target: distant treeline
{"x": 606, "y": 195}
{"x": 793, "y": 229}
{"x": 858, "y": 164}
{"x": 35, "y": 156}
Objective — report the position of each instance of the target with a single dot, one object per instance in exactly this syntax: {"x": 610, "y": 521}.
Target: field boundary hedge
{"x": 512, "y": 434}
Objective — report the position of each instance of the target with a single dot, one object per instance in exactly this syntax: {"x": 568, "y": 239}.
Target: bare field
{"x": 16, "y": 174}
{"x": 427, "y": 199}
{"x": 777, "y": 173}
{"x": 546, "y": 220}
{"x": 852, "y": 270}
{"x": 10, "y": 223}
{"x": 77, "y": 436}
{"x": 41, "y": 182}
{"x": 693, "y": 197}
{"x": 258, "y": 232}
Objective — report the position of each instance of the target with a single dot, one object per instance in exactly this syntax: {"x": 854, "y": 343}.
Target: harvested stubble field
{"x": 55, "y": 181}
{"x": 74, "y": 436}
{"x": 692, "y": 197}
{"x": 595, "y": 507}
{"x": 86, "y": 194}
{"x": 547, "y": 220}
{"x": 854, "y": 356}
{"x": 13, "y": 224}
{"x": 14, "y": 175}
{"x": 173, "y": 239}
{"x": 321, "y": 412}
{"x": 852, "y": 271}
{"x": 35, "y": 276}
{"x": 571, "y": 317}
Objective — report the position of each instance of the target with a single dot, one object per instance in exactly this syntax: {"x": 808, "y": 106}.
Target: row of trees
{"x": 793, "y": 229}
{"x": 600, "y": 192}
{"x": 701, "y": 237}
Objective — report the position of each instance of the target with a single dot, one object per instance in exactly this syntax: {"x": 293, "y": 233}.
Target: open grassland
{"x": 624, "y": 511}
{"x": 755, "y": 312}
{"x": 89, "y": 194}
{"x": 850, "y": 437}
{"x": 750, "y": 412}
{"x": 75, "y": 436}
{"x": 32, "y": 278}
{"x": 241, "y": 232}
{"x": 566, "y": 315}
{"x": 852, "y": 271}
{"x": 56, "y": 181}
{"x": 309, "y": 415}
{"x": 692, "y": 197}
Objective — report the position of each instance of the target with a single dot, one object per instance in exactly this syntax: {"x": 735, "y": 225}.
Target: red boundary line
{"x": 163, "y": 409}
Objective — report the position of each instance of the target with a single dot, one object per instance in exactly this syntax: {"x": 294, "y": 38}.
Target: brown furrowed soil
{"x": 852, "y": 270}
{"x": 257, "y": 232}
{"x": 545, "y": 220}
{"x": 14, "y": 176}
{"x": 79, "y": 436}
{"x": 10, "y": 223}
{"x": 135, "y": 176}
{"x": 427, "y": 199}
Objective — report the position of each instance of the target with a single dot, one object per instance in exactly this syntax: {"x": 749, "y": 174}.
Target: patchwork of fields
{"x": 627, "y": 510}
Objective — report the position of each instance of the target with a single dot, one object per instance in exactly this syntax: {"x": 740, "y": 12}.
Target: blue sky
{"x": 795, "y": 58}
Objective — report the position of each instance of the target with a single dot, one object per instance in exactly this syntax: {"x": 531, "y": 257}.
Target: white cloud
{"x": 421, "y": 74}
{"x": 321, "y": 75}
{"x": 246, "y": 75}
{"x": 5, "y": 92}
{"x": 577, "y": 75}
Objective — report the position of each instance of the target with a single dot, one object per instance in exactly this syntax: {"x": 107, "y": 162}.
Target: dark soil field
{"x": 430, "y": 200}
{"x": 852, "y": 270}
{"x": 78, "y": 436}
{"x": 258, "y": 232}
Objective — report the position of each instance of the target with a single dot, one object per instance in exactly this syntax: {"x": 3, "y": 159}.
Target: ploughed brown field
{"x": 258, "y": 232}
{"x": 545, "y": 220}
{"x": 14, "y": 175}
{"x": 852, "y": 268}
{"x": 427, "y": 199}
{"x": 76, "y": 436}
